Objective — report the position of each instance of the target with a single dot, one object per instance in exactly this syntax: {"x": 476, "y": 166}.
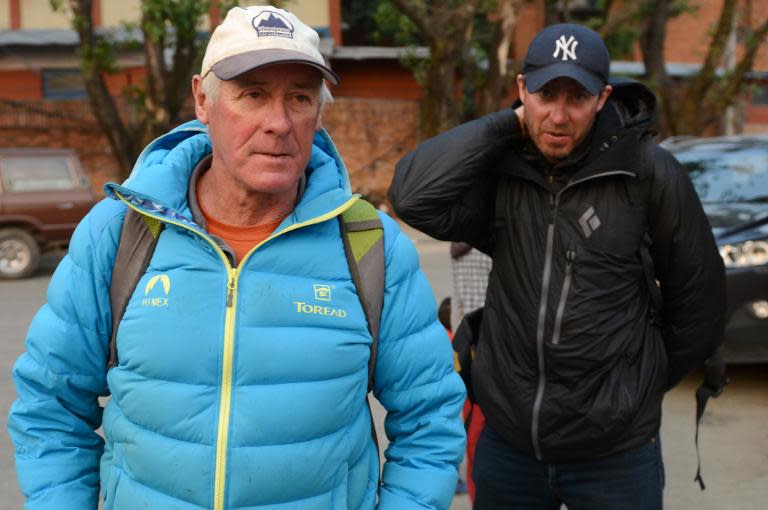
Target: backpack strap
{"x": 363, "y": 236}
{"x": 713, "y": 385}
{"x": 138, "y": 238}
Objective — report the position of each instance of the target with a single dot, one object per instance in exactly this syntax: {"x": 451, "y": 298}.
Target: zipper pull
{"x": 570, "y": 255}
{"x": 231, "y": 288}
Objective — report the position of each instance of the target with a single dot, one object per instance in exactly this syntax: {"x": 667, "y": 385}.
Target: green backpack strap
{"x": 138, "y": 238}
{"x": 363, "y": 236}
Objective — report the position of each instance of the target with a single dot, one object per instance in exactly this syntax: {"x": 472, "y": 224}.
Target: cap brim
{"x": 536, "y": 79}
{"x": 232, "y": 67}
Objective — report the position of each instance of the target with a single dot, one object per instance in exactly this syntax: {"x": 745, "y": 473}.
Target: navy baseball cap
{"x": 567, "y": 50}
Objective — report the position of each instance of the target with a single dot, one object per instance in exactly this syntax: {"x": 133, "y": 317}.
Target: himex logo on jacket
{"x": 321, "y": 292}
{"x": 158, "y": 298}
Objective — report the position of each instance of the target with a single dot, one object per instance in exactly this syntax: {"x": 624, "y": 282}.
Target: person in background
{"x": 244, "y": 350}
{"x": 607, "y": 286}
{"x": 470, "y": 269}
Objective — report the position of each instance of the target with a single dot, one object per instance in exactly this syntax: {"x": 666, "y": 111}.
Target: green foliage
{"x": 172, "y": 17}
{"x": 99, "y": 57}
{"x": 393, "y": 27}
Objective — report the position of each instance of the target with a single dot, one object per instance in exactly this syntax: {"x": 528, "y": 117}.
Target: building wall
{"x": 5, "y": 15}
{"x": 20, "y": 85}
{"x": 381, "y": 79}
{"x": 38, "y": 14}
{"x": 116, "y": 12}
{"x": 372, "y": 135}
{"x": 314, "y": 13}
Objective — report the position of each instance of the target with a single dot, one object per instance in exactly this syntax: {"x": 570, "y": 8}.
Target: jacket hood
{"x": 159, "y": 181}
{"x": 633, "y": 101}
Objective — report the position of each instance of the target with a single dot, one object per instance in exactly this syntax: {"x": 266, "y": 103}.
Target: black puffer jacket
{"x": 572, "y": 362}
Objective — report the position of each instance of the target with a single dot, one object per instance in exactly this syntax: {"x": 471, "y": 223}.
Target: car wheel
{"x": 19, "y": 253}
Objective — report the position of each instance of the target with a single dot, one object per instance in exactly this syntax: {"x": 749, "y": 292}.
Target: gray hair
{"x": 211, "y": 84}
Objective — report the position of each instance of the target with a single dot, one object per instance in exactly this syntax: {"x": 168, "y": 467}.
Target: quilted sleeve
{"x": 59, "y": 378}
{"x": 416, "y": 383}
{"x": 689, "y": 269}
{"x": 446, "y": 187}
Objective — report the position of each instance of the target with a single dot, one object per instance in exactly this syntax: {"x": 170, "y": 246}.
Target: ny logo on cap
{"x": 567, "y": 47}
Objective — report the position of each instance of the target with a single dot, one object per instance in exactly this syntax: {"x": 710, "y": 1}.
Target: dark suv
{"x": 43, "y": 195}
{"x": 731, "y": 177}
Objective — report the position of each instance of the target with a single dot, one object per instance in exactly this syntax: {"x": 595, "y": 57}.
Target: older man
{"x": 582, "y": 213}
{"x": 243, "y": 385}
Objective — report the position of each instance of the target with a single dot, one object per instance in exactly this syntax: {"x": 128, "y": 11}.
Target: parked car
{"x": 730, "y": 175}
{"x": 43, "y": 195}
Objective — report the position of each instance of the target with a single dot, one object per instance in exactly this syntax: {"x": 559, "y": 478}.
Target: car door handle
{"x": 66, "y": 205}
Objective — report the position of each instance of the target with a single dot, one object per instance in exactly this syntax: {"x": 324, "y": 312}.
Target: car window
{"x": 36, "y": 174}
{"x": 726, "y": 172}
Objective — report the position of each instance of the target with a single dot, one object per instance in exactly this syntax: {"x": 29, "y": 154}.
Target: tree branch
{"x": 418, "y": 16}
{"x": 734, "y": 85}
{"x": 102, "y": 103}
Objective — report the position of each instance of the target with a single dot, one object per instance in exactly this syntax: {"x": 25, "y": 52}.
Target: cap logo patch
{"x": 568, "y": 47}
{"x": 272, "y": 24}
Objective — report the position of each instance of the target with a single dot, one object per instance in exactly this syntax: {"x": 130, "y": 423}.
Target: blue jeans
{"x": 508, "y": 479}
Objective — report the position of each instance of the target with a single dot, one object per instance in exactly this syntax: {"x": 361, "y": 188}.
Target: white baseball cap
{"x": 260, "y": 35}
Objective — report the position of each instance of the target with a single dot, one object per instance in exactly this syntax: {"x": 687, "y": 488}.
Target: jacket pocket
{"x": 570, "y": 257}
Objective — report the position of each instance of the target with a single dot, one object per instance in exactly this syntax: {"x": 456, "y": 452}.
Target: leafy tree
{"x": 698, "y": 105}
{"x": 459, "y": 50}
{"x": 168, "y": 27}
{"x": 469, "y": 41}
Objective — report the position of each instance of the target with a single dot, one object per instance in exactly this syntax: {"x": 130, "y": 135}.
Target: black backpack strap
{"x": 714, "y": 382}
{"x": 138, "y": 238}
{"x": 363, "y": 236}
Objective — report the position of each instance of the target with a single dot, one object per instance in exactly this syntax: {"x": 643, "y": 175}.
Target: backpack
{"x": 361, "y": 231}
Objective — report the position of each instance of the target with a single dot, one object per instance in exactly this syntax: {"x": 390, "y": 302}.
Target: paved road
{"x": 734, "y": 434}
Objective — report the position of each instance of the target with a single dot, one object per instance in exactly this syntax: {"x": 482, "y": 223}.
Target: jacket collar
{"x": 610, "y": 146}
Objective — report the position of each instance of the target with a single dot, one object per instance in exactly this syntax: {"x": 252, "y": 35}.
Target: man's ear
{"x": 521, "y": 92}
{"x": 201, "y": 101}
{"x": 319, "y": 123}
{"x": 603, "y": 97}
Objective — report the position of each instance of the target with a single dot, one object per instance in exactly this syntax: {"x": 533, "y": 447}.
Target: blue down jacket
{"x": 238, "y": 388}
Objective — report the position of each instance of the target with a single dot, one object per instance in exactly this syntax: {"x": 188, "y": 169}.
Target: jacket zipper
{"x": 544, "y": 303}
{"x": 222, "y": 438}
{"x": 225, "y": 400}
{"x": 540, "y": 338}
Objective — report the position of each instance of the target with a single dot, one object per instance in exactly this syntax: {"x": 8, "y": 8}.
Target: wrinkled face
{"x": 261, "y": 126}
{"x": 559, "y": 115}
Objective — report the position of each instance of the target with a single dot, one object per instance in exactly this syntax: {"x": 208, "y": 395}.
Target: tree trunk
{"x": 700, "y": 103}
{"x": 157, "y": 119}
{"x": 499, "y": 73}
{"x": 103, "y": 106}
{"x": 652, "y": 37}
{"x": 444, "y": 28}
